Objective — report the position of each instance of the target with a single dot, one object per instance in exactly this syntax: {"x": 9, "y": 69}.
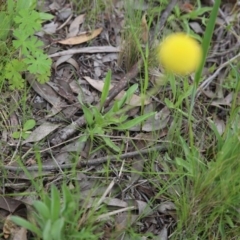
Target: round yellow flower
{"x": 180, "y": 54}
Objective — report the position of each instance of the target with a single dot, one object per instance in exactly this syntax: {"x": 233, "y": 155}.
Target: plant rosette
{"x": 180, "y": 54}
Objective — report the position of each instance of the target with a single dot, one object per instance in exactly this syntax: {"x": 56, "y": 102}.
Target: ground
{"x": 104, "y": 142}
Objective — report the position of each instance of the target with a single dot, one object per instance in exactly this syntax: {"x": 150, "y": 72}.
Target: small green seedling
{"x": 56, "y": 217}
{"x": 100, "y": 123}
{"x": 24, "y": 132}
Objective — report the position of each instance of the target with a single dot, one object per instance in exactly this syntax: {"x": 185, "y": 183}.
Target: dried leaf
{"x": 11, "y": 205}
{"x": 54, "y": 6}
{"x": 74, "y": 27}
{"x": 84, "y": 37}
{"x": 115, "y": 202}
{"x": 124, "y": 220}
{"x": 46, "y": 92}
{"x": 85, "y": 95}
{"x": 41, "y": 132}
{"x": 163, "y": 235}
{"x": 61, "y": 60}
{"x": 75, "y": 146}
{"x": 186, "y": 7}
{"x": 74, "y": 63}
{"x": 11, "y": 229}
{"x": 8, "y": 227}
{"x": 63, "y": 90}
{"x": 137, "y": 169}
{"x": 223, "y": 101}
{"x": 110, "y": 57}
{"x": 196, "y": 27}
{"x": 144, "y": 208}
{"x": 20, "y": 234}
{"x": 50, "y": 28}
{"x": 157, "y": 122}
{"x": 219, "y": 124}
{"x": 165, "y": 206}
{"x": 64, "y": 13}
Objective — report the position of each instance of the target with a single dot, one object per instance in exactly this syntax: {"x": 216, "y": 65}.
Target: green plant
{"x": 196, "y": 13}
{"x": 24, "y": 132}
{"x": 209, "y": 196}
{"x": 22, "y": 52}
{"x": 100, "y": 122}
{"x": 56, "y": 217}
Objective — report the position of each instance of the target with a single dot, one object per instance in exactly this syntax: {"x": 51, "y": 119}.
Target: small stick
{"x": 98, "y": 49}
{"x": 90, "y": 162}
{"x": 165, "y": 15}
{"x": 206, "y": 82}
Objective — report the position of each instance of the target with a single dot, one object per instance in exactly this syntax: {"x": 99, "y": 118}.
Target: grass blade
{"x": 207, "y": 39}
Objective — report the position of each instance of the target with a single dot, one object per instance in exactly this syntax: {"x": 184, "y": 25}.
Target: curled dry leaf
{"x": 61, "y": 60}
{"x": 134, "y": 101}
{"x": 83, "y": 37}
{"x": 74, "y": 63}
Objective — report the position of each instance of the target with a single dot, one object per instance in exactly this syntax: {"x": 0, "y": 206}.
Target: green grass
{"x": 198, "y": 174}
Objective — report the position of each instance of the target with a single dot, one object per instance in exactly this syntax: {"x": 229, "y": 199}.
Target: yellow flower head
{"x": 180, "y": 54}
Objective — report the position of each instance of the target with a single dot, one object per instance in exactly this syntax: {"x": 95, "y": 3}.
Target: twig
{"x": 106, "y": 216}
{"x": 210, "y": 79}
{"x": 103, "y": 197}
{"x": 86, "y": 50}
{"x": 69, "y": 130}
{"x": 123, "y": 82}
{"x": 165, "y": 15}
{"x": 65, "y": 23}
{"x": 55, "y": 160}
{"x": 90, "y": 162}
